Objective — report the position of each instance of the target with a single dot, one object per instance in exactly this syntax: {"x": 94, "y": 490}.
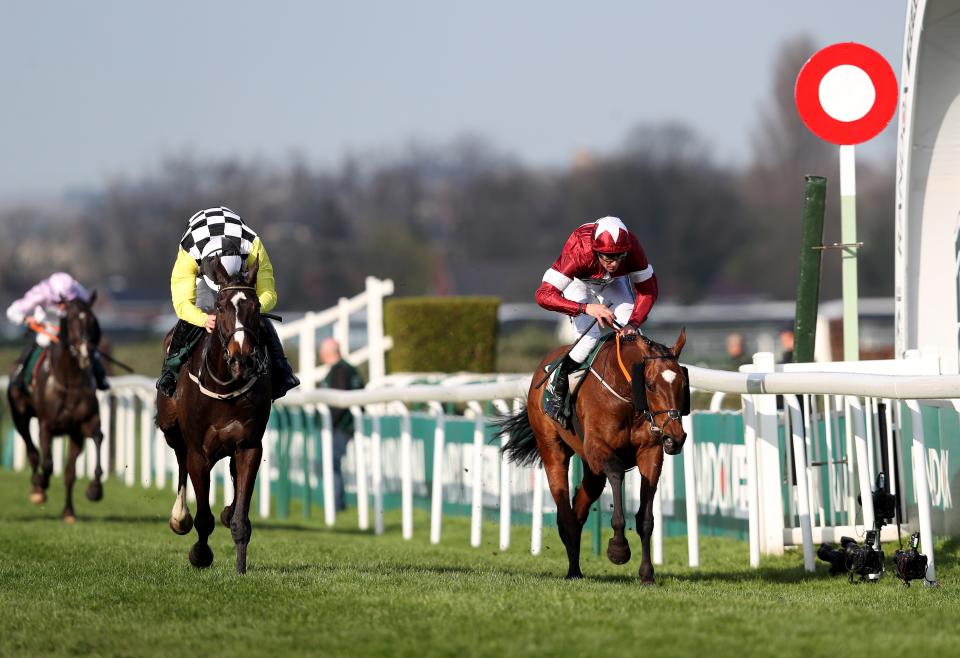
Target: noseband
{"x": 250, "y": 332}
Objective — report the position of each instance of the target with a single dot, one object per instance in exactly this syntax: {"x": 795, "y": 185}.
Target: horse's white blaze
{"x": 179, "y": 512}
{"x": 236, "y": 299}
{"x": 669, "y": 375}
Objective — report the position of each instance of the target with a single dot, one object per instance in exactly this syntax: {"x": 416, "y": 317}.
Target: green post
{"x": 808, "y": 283}
{"x": 283, "y": 463}
{"x": 597, "y": 525}
{"x": 301, "y": 426}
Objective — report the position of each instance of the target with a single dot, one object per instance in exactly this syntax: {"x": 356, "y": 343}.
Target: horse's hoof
{"x": 69, "y": 518}
{"x": 182, "y": 526}
{"x": 38, "y": 498}
{"x": 647, "y": 582}
{"x": 95, "y": 492}
{"x": 201, "y": 555}
{"x": 618, "y": 552}
{"x": 226, "y": 516}
{"x": 573, "y": 575}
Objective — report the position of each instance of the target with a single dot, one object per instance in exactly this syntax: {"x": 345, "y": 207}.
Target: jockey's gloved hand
{"x": 628, "y": 330}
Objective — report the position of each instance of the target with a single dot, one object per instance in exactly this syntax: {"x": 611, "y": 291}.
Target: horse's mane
{"x": 658, "y": 348}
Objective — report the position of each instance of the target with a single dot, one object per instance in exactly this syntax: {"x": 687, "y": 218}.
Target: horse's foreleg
{"x": 618, "y": 550}
{"x": 95, "y": 488}
{"x": 22, "y": 422}
{"x": 227, "y": 514}
{"x": 201, "y": 555}
{"x": 70, "y": 475}
{"x": 245, "y": 466}
{"x": 41, "y": 477}
{"x": 648, "y": 490}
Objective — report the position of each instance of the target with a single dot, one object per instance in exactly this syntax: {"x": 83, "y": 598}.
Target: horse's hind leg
{"x": 618, "y": 550}
{"x": 227, "y": 514}
{"x": 21, "y": 420}
{"x": 70, "y": 475}
{"x": 201, "y": 555}
{"x": 247, "y": 462}
{"x": 556, "y": 464}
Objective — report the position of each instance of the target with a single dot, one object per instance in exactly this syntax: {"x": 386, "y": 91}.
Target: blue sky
{"x": 95, "y": 90}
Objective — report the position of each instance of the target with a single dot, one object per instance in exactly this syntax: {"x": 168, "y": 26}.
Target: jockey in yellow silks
{"x": 219, "y": 233}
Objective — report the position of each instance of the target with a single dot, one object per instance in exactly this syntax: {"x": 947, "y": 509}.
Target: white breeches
{"x": 616, "y": 293}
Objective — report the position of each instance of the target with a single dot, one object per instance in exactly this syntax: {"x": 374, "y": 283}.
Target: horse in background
{"x": 627, "y": 413}
{"x": 63, "y": 398}
{"x": 220, "y": 409}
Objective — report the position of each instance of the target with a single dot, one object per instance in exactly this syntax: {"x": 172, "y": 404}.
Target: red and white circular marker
{"x": 846, "y": 93}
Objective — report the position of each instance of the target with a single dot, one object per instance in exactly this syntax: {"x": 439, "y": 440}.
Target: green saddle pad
{"x": 31, "y": 365}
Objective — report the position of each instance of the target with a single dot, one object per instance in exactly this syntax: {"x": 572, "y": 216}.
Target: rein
{"x": 648, "y": 415}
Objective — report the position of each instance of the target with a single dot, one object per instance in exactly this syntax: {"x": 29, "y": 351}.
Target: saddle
{"x": 575, "y": 377}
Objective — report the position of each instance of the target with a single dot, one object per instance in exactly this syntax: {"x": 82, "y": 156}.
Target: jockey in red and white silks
{"x": 603, "y": 274}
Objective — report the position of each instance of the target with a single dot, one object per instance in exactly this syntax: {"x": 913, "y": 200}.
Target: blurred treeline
{"x": 468, "y": 218}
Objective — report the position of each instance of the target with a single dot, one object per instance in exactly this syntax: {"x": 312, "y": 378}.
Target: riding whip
{"x": 565, "y": 354}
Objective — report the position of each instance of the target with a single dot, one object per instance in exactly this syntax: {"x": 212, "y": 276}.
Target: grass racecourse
{"x": 118, "y": 584}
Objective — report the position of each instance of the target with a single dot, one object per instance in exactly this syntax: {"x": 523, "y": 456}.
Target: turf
{"x": 118, "y": 584}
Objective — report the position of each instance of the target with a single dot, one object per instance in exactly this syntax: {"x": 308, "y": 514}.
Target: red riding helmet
{"x": 610, "y": 236}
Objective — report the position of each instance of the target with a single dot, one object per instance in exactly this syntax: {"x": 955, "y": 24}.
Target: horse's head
{"x": 79, "y": 330}
{"x": 238, "y": 317}
{"x": 661, "y": 389}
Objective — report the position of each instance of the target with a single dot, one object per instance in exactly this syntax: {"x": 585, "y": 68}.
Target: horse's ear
{"x": 93, "y": 297}
{"x": 220, "y": 274}
{"x": 681, "y": 341}
{"x": 251, "y": 278}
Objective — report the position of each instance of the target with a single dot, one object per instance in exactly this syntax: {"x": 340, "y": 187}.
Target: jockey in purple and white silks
{"x": 42, "y": 307}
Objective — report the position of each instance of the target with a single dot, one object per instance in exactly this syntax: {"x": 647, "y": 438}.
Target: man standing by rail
{"x": 344, "y": 376}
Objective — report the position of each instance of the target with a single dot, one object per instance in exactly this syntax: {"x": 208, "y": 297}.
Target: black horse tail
{"x": 521, "y": 447}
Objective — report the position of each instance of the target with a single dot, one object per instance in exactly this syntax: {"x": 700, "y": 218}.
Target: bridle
{"x": 639, "y": 392}
{"x": 251, "y": 332}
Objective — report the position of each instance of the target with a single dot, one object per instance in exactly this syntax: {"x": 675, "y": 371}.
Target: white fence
{"x": 140, "y": 456}
{"x": 305, "y": 331}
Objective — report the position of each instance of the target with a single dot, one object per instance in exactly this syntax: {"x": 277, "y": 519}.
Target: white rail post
{"x": 536, "y": 521}
{"x": 308, "y": 352}
{"x": 326, "y": 461}
{"x": 19, "y": 452}
{"x": 919, "y": 459}
{"x": 160, "y": 448}
{"x": 436, "y": 495}
{"x": 657, "y": 556}
{"x": 341, "y": 328}
{"x": 505, "y": 482}
{"x": 360, "y": 452}
{"x": 753, "y": 493}
{"x": 266, "y": 472}
{"x": 56, "y": 447}
{"x": 146, "y": 438}
{"x": 800, "y": 467}
{"x": 406, "y": 470}
{"x": 376, "y": 290}
{"x": 105, "y": 399}
{"x": 376, "y": 467}
{"x": 690, "y": 492}
{"x": 476, "y": 507}
{"x": 129, "y": 439}
{"x": 863, "y": 466}
{"x": 768, "y": 463}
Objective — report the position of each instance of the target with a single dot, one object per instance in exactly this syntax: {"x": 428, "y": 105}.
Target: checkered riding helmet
{"x": 610, "y": 236}
{"x": 218, "y": 232}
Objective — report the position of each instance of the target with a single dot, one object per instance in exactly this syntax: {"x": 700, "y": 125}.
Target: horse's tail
{"x": 521, "y": 447}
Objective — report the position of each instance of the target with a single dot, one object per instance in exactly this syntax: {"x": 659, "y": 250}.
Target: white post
{"x": 376, "y": 290}
{"x": 360, "y": 451}
{"x": 406, "y": 470}
{"x": 20, "y": 452}
{"x": 919, "y": 459}
{"x": 376, "y": 466}
{"x": 832, "y": 499}
{"x": 863, "y": 467}
{"x": 104, "y": 400}
{"x": 160, "y": 448}
{"x": 476, "y": 507}
{"x": 308, "y": 352}
{"x": 341, "y": 328}
{"x": 436, "y": 496}
{"x": 768, "y": 463}
{"x": 843, "y": 403}
{"x": 130, "y": 431}
{"x": 505, "y": 497}
{"x": 56, "y": 447}
{"x": 750, "y": 444}
{"x": 228, "y": 492}
{"x": 266, "y": 473}
{"x": 146, "y": 437}
{"x": 690, "y": 492}
{"x": 326, "y": 461}
{"x": 658, "y": 523}
{"x": 800, "y": 467}
{"x": 536, "y": 521}
{"x": 119, "y": 444}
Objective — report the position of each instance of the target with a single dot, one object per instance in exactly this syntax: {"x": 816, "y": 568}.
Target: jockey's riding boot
{"x": 557, "y": 391}
{"x": 99, "y": 373}
{"x": 183, "y": 335}
{"x": 19, "y": 379}
{"x": 282, "y": 377}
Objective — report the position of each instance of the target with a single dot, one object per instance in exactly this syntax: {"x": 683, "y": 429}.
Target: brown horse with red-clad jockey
{"x": 633, "y": 393}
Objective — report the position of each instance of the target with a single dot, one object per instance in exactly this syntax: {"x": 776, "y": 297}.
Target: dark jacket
{"x": 345, "y": 377}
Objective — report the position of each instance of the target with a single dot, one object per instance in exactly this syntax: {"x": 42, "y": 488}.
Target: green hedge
{"x": 441, "y": 334}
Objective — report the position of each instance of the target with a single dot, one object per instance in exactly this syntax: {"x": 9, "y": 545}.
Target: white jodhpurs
{"x": 616, "y": 293}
